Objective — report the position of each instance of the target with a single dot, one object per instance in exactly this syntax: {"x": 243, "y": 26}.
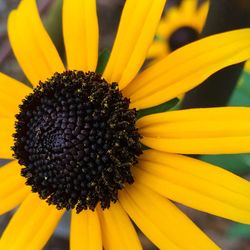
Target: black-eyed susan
{"x": 179, "y": 26}
{"x": 76, "y": 138}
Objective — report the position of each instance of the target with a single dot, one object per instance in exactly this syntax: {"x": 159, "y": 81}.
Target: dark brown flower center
{"x": 182, "y": 36}
{"x": 76, "y": 140}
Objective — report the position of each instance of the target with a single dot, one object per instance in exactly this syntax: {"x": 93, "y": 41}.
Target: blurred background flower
{"x": 180, "y": 25}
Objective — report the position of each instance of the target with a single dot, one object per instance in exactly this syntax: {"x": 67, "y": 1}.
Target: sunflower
{"x": 180, "y": 25}
{"x": 75, "y": 140}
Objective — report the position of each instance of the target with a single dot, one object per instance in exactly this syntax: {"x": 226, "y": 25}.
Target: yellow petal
{"x": 85, "y": 231}
{"x": 136, "y": 31}
{"x": 223, "y": 145}
{"x": 198, "y": 114}
{"x": 7, "y": 128}
{"x": 202, "y": 14}
{"x": 165, "y": 225}
{"x": 12, "y": 187}
{"x": 188, "y": 67}
{"x": 188, "y": 7}
{"x": 12, "y": 92}
{"x": 11, "y": 179}
{"x": 157, "y": 50}
{"x": 31, "y": 226}
{"x": 247, "y": 66}
{"x": 195, "y": 184}
{"x": 198, "y": 131}
{"x": 80, "y": 31}
{"x": 31, "y": 44}
{"x": 12, "y": 200}
{"x": 117, "y": 230}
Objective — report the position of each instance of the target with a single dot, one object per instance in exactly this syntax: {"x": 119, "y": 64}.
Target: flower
{"x": 180, "y": 25}
{"x": 76, "y": 136}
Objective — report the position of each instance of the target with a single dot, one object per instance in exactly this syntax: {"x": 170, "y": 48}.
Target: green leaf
{"x": 158, "y": 38}
{"x": 102, "y": 61}
{"x": 157, "y": 109}
{"x": 241, "y": 95}
{"x": 239, "y": 231}
{"x": 53, "y": 20}
{"x": 144, "y": 147}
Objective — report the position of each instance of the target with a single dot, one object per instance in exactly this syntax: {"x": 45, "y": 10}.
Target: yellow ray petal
{"x": 31, "y": 226}
{"x": 31, "y": 44}
{"x": 85, "y": 231}
{"x": 7, "y": 128}
{"x": 222, "y": 145}
{"x": 188, "y": 67}
{"x": 197, "y": 129}
{"x": 188, "y": 7}
{"x": 12, "y": 187}
{"x": 202, "y": 14}
{"x": 247, "y": 66}
{"x": 117, "y": 230}
{"x": 198, "y": 114}
{"x": 12, "y": 200}
{"x": 196, "y": 184}
{"x": 162, "y": 29}
{"x": 80, "y": 31}
{"x": 9, "y": 105}
{"x": 11, "y": 179}
{"x": 172, "y": 15}
{"x": 206, "y": 131}
{"x": 157, "y": 50}
{"x": 136, "y": 31}
{"x": 161, "y": 221}
{"x": 12, "y": 92}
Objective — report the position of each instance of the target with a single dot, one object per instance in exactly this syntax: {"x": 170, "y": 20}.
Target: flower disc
{"x": 76, "y": 139}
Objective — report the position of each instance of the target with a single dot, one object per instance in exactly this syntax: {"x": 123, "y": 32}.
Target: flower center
{"x": 76, "y": 139}
{"x": 182, "y": 36}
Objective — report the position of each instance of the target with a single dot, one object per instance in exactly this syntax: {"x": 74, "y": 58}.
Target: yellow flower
{"x": 180, "y": 26}
{"x": 64, "y": 126}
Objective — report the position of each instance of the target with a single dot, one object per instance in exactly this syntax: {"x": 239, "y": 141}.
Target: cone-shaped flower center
{"x": 182, "y": 36}
{"x": 76, "y": 139}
